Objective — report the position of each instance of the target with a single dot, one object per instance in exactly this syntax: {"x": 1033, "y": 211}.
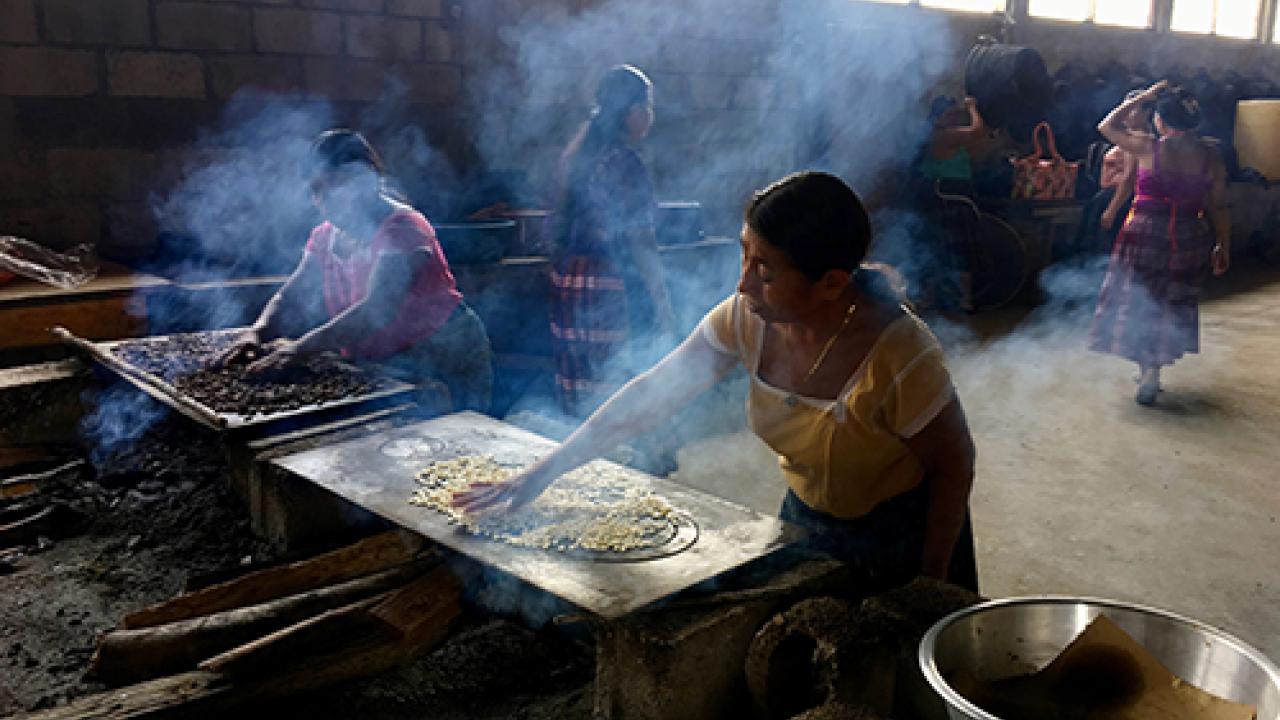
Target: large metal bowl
{"x": 1017, "y": 636}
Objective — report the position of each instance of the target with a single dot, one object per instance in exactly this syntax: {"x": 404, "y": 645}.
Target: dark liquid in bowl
{"x": 1093, "y": 683}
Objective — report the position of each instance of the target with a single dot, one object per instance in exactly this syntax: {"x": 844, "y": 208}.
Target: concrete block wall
{"x": 99, "y": 99}
{"x": 529, "y": 95}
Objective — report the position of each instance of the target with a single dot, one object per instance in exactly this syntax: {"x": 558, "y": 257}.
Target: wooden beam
{"x": 422, "y": 611}
{"x": 101, "y": 319}
{"x": 373, "y": 554}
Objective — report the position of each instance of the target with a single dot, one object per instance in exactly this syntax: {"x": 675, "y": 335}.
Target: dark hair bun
{"x": 334, "y": 148}
{"x": 1178, "y": 108}
{"x": 816, "y": 219}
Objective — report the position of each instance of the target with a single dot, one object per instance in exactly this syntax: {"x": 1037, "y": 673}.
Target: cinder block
{"x": 788, "y": 96}
{"x": 201, "y": 26}
{"x": 297, "y": 31}
{"x": 755, "y": 92}
{"x": 47, "y": 71}
{"x": 736, "y": 57}
{"x": 366, "y": 6}
{"x": 689, "y": 663}
{"x": 385, "y": 38}
{"x": 671, "y": 92}
{"x": 437, "y": 43}
{"x": 59, "y": 226}
{"x": 291, "y": 512}
{"x": 40, "y": 404}
{"x": 8, "y": 122}
{"x": 92, "y": 172}
{"x": 710, "y": 92}
{"x": 151, "y": 74}
{"x": 18, "y": 21}
{"x": 432, "y": 84}
{"x": 131, "y": 229}
{"x": 24, "y": 176}
{"x": 97, "y": 22}
{"x": 231, "y": 73}
{"x": 416, "y": 8}
{"x": 345, "y": 79}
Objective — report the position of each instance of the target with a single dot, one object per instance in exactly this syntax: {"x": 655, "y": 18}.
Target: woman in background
{"x": 609, "y": 298}
{"x": 947, "y": 170}
{"x": 1148, "y": 309}
{"x": 847, "y": 386}
{"x": 373, "y": 284}
{"x": 956, "y": 129}
{"x": 1120, "y": 169}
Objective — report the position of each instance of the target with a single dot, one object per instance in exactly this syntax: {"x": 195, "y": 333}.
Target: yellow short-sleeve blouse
{"x": 843, "y": 456}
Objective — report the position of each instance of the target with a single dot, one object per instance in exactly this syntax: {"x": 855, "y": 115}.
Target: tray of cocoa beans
{"x": 182, "y": 371}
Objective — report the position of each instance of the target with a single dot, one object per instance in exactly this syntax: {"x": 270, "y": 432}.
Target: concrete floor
{"x": 1081, "y": 491}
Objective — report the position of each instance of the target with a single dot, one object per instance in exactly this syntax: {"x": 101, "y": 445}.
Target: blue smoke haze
{"x": 745, "y": 93}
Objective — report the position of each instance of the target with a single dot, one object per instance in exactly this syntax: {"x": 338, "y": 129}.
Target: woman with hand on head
{"x": 373, "y": 284}
{"x": 1148, "y": 308}
{"x": 1120, "y": 167}
{"x": 847, "y": 386}
{"x": 609, "y": 297}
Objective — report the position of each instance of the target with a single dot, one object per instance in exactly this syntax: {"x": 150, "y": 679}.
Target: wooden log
{"x": 195, "y": 694}
{"x": 411, "y": 619}
{"x": 370, "y": 555}
{"x": 343, "y": 644}
{"x": 144, "y": 653}
{"x": 27, "y": 484}
{"x": 422, "y": 611}
{"x": 314, "y": 636}
{"x": 56, "y": 521}
{"x": 13, "y": 457}
{"x": 19, "y": 487}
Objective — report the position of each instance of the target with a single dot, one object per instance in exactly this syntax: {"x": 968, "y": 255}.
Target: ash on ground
{"x": 152, "y": 518}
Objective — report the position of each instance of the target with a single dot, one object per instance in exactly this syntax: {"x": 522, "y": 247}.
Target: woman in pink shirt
{"x": 373, "y": 284}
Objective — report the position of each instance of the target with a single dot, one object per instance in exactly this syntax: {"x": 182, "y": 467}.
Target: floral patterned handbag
{"x": 1037, "y": 177}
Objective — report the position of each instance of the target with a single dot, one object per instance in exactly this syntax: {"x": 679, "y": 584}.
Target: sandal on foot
{"x": 1147, "y": 394}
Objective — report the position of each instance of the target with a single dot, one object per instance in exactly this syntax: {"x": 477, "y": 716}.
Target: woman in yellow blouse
{"x": 847, "y": 386}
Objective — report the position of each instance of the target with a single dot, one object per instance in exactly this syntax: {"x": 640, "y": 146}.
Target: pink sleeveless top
{"x": 1185, "y": 193}
{"x": 432, "y": 296}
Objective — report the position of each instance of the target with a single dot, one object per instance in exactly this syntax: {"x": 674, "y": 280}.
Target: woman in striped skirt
{"x": 609, "y": 298}
{"x": 1148, "y": 309}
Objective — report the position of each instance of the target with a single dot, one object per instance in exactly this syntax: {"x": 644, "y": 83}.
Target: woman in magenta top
{"x": 1179, "y": 227}
{"x": 373, "y": 284}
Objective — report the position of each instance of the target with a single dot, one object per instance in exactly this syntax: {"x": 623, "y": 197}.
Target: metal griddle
{"x": 377, "y": 472}
{"x": 162, "y": 390}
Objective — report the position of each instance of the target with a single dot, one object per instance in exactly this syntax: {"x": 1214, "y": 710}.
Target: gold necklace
{"x": 793, "y": 399}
